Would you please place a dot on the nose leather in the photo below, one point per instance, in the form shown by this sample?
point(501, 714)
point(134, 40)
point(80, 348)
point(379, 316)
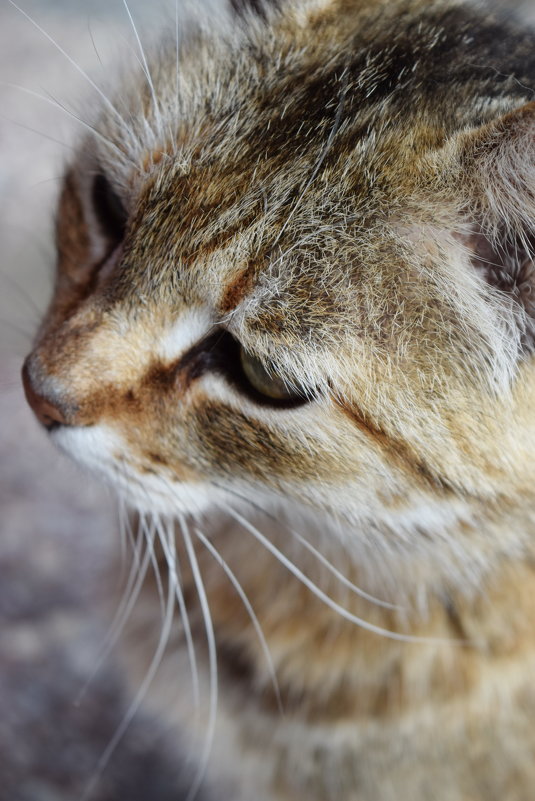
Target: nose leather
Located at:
point(44, 409)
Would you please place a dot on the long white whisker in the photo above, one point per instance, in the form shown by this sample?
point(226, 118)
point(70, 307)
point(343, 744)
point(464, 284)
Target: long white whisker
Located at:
point(37, 131)
point(304, 579)
point(167, 540)
point(95, 48)
point(136, 576)
point(53, 102)
point(154, 562)
point(145, 63)
point(340, 576)
point(250, 611)
point(129, 596)
point(69, 58)
point(124, 531)
point(212, 658)
point(321, 158)
point(140, 695)
point(314, 551)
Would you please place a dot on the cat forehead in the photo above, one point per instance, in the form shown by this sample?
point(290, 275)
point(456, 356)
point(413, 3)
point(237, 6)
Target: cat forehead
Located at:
point(274, 90)
point(252, 145)
point(256, 173)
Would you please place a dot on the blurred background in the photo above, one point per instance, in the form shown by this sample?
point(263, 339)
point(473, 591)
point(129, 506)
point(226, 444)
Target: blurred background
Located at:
point(57, 529)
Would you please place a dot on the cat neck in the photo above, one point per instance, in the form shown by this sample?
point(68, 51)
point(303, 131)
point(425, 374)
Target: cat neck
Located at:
point(338, 654)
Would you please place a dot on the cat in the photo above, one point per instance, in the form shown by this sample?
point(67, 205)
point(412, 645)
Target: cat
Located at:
point(294, 326)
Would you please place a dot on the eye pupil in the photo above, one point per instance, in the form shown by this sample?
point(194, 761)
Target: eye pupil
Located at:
point(109, 209)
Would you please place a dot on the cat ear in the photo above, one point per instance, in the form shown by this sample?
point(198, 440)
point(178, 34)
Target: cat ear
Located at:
point(495, 167)
point(498, 161)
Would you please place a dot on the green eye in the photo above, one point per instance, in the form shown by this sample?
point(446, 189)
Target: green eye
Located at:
point(267, 383)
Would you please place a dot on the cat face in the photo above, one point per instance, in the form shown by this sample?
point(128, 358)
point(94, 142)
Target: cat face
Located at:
point(273, 274)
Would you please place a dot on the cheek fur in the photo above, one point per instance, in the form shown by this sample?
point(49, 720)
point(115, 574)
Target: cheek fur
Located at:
point(103, 452)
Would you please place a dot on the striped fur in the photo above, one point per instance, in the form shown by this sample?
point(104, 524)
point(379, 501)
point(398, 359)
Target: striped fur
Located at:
point(344, 189)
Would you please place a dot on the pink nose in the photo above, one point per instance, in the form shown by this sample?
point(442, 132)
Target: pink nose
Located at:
point(46, 412)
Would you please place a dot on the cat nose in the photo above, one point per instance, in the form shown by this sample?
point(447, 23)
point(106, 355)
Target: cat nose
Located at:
point(46, 411)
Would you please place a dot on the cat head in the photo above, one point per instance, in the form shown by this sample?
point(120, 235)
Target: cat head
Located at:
point(299, 266)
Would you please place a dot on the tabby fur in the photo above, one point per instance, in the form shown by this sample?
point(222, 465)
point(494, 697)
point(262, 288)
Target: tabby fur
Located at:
point(347, 188)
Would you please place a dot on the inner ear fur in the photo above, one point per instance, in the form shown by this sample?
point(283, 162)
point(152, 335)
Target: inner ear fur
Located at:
point(495, 170)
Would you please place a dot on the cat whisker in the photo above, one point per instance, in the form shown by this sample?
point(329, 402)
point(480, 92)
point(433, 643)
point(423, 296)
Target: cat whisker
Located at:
point(212, 659)
point(75, 64)
point(314, 551)
point(140, 695)
point(141, 549)
point(53, 102)
point(167, 539)
point(146, 69)
point(149, 534)
point(36, 131)
point(250, 611)
point(340, 576)
point(124, 533)
point(146, 533)
point(166, 534)
point(95, 48)
point(129, 596)
point(55, 179)
point(322, 156)
point(322, 596)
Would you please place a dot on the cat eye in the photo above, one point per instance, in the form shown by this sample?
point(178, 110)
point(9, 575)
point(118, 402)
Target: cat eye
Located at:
point(222, 353)
point(267, 383)
point(109, 209)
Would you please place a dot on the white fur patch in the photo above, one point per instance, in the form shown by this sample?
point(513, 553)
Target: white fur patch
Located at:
point(192, 325)
point(91, 446)
point(102, 451)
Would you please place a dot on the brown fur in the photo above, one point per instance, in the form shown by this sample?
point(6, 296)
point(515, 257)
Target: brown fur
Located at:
point(322, 188)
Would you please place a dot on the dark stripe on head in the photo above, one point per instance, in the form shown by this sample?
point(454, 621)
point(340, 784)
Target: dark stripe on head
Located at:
point(259, 7)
